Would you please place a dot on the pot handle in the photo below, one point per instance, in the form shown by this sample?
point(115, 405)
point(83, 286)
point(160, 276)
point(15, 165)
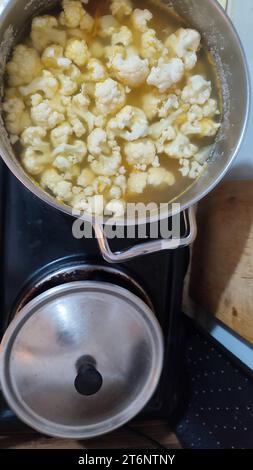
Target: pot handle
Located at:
point(151, 246)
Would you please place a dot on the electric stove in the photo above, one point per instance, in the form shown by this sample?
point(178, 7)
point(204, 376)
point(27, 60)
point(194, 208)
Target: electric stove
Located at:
point(38, 251)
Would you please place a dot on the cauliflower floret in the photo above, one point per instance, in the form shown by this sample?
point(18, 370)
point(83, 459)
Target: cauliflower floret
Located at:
point(68, 86)
point(53, 56)
point(101, 183)
point(16, 118)
point(67, 155)
point(160, 176)
point(77, 51)
point(25, 65)
point(115, 192)
point(107, 26)
point(124, 36)
point(121, 182)
point(74, 16)
point(181, 147)
point(191, 169)
point(46, 83)
point(197, 91)
point(35, 161)
point(185, 44)
point(96, 71)
point(140, 19)
point(121, 8)
point(166, 74)
point(60, 135)
point(45, 32)
point(97, 49)
point(163, 133)
point(209, 110)
point(204, 128)
point(53, 181)
point(151, 47)
point(116, 208)
point(154, 104)
point(97, 142)
point(33, 136)
point(129, 124)
point(79, 114)
point(110, 96)
point(107, 165)
point(137, 182)
point(43, 114)
point(141, 152)
point(86, 178)
point(131, 71)
point(170, 103)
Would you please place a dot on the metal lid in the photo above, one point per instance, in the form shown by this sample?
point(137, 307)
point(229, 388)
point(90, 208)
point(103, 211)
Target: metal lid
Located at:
point(81, 359)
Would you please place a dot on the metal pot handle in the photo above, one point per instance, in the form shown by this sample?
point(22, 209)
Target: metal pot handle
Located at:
point(151, 246)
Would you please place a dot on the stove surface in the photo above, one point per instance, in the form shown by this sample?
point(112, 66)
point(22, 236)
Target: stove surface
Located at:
point(36, 240)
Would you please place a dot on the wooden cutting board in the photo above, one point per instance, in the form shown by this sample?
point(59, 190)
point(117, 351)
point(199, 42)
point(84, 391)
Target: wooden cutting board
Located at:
point(221, 281)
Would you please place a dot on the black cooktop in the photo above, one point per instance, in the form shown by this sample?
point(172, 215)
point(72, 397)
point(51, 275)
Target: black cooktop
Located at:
point(36, 240)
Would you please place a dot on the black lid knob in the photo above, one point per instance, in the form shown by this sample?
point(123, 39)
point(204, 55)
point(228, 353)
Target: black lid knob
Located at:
point(88, 381)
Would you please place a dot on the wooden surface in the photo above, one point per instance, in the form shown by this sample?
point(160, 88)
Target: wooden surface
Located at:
point(146, 435)
point(221, 280)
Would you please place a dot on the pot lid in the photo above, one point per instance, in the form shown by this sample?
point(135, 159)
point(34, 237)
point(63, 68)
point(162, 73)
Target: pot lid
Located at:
point(81, 359)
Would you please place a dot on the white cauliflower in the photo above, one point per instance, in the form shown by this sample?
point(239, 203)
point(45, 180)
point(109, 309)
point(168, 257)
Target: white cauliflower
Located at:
point(129, 124)
point(107, 165)
point(107, 25)
point(163, 133)
point(115, 192)
point(151, 47)
point(116, 208)
point(131, 71)
point(98, 143)
point(68, 86)
point(60, 135)
point(110, 96)
point(16, 117)
point(45, 33)
point(197, 91)
point(141, 153)
point(53, 56)
point(67, 155)
point(190, 168)
point(141, 18)
point(204, 128)
point(181, 147)
point(137, 182)
point(43, 114)
point(46, 83)
point(97, 49)
point(209, 110)
point(77, 51)
point(120, 181)
point(155, 104)
point(96, 71)
point(33, 137)
point(80, 118)
point(121, 8)
point(124, 36)
point(91, 205)
point(61, 189)
point(86, 178)
point(101, 184)
point(159, 177)
point(185, 44)
point(25, 65)
point(35, 161)
point(166, 74)
point(75, 16)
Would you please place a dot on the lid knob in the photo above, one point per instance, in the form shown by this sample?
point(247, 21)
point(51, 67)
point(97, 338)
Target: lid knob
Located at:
point(88, 381)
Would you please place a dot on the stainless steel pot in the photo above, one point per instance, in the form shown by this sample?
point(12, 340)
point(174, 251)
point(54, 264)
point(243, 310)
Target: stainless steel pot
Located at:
point(222, 41)
point(81, 359)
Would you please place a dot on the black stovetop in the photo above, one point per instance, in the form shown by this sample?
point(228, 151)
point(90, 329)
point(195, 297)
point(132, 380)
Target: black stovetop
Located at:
point(36, 239)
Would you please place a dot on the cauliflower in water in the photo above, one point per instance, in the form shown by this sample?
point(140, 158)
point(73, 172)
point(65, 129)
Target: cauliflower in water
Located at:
point(75, 16)
point(16, 116)
point(25, 65)
point(185, 44)
point(116, 208)
point(46, 83)
point(151, 47)
point(137, 182)
point(155, 104)
point(43, 114)
point(160, 177)
point(86, 178)
point(77, 51)
point(110, 96)
point(140, 19)
point(129, 124)
point(107, 26)
point(60, 135)
point(140, 153)
point(124, 36)
point(166, 74)
point(53, 57)
point(131, 71)
point(121, 8)
point(197, 91)
point(60, 188)
point(35, 161)
point(45, 32)
point(181, 147)
point(96, 71)
point(107, 165)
